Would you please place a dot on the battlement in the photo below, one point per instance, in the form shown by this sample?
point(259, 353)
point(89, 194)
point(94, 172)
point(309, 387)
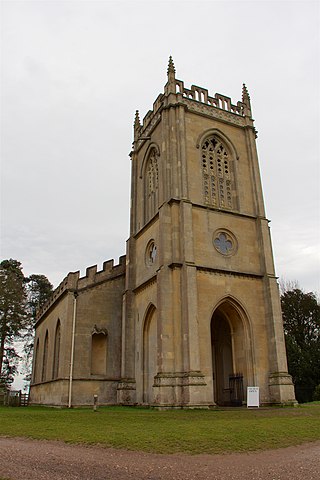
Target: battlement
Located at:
point(191, 97)
point(74, 283)
point(201, 95)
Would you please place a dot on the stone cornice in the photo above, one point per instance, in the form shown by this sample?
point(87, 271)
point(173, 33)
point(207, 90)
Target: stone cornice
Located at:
point(145, 284)
point(229, 273)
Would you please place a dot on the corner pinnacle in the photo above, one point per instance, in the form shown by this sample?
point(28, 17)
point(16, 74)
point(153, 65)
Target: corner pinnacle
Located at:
point(246, 101)
point(171, 69)
point(245, 94)
point(137, 123)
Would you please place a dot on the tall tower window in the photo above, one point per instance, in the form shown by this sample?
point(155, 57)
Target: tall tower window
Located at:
point(151, 185)
point(56, 358)
point(216, 172)
point(36, 364)
point(45, 358)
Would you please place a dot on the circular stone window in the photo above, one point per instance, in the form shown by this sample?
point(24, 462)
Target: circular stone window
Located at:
point(224, 242)
point(151, 253)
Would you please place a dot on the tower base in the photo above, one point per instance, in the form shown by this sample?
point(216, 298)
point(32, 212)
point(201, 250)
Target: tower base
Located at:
point(180, 390)
point(281, 389)
point(126, 392)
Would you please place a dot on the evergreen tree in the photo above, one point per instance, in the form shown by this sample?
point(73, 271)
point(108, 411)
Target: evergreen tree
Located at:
point(13, 316)
point(39, 290)
point(301, 317)
point(20, 298)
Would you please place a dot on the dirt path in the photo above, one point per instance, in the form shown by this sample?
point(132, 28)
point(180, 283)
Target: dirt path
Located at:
point(43, 460)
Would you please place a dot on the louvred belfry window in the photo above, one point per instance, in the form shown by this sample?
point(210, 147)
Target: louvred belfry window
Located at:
point(216, 171)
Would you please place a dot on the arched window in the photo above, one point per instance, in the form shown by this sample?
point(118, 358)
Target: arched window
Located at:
point(45, 358)
point(218, 184)
point(99, 351)
point(36, 363)
point(56, 357)
point(151, 185)
point(150, 354)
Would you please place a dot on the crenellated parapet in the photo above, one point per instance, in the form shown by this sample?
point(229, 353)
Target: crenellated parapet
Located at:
point(74, 283)
point(195, 99)
point(200, 94)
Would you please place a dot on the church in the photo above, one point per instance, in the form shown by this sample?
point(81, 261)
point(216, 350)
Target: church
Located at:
point(190, 316)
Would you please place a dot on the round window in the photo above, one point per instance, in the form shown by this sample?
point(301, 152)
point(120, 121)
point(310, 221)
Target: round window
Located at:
point(225, 242)
point(151, 253)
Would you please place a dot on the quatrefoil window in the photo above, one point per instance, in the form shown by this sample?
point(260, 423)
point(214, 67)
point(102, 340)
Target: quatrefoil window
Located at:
point(224, 242)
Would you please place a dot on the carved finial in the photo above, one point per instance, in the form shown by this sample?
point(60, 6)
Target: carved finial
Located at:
point(171, 70)
point(137, 123)
point(136, 126)
point(246, 100)
point(171, 83)
point(245, 94)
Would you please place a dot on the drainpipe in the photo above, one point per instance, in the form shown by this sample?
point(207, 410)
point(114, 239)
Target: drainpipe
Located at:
point(75, 294)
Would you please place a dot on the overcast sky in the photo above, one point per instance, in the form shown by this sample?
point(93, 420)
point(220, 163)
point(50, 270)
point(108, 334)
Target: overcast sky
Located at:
point(74, 72)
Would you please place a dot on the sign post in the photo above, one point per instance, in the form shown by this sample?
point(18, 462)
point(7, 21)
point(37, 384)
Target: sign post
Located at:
point(253, 397)
point(95, 402)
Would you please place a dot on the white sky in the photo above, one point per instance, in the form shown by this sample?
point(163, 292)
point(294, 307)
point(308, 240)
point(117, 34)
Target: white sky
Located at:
point(74, 72)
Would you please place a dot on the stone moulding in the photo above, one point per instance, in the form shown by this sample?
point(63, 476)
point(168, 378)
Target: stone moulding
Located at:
point(280, 378)
point(127, 384)
point(180, 390)
point(179, 379)
point(145, 284)
point(126, 391)
point(213, 112)
point(229, 273)
point(97, 330)
point(281, 389)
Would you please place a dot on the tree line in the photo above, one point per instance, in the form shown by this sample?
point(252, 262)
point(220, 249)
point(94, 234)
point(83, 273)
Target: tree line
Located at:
point(21, 297)
point(301, 323)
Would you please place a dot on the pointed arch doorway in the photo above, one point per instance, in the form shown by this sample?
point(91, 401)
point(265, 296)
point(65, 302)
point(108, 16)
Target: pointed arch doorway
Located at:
point(150, 354)
point(231, 354)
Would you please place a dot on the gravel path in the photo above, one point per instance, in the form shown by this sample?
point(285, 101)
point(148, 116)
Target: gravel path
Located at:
point(43, 460)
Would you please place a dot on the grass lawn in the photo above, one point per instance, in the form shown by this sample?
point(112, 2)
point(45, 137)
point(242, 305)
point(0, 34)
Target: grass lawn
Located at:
point(173, 431)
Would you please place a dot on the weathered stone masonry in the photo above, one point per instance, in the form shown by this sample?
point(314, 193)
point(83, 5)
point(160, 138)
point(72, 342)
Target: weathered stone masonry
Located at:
point(191, 316)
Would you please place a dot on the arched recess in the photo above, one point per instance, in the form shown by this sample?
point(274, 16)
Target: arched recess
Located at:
point(150, 354)
point(45, 358)
point(152, 146)
point(36, 367)
point(231, 347)
point(150, 176)
point(99, 351)
point(56, 356)
point(218, 165)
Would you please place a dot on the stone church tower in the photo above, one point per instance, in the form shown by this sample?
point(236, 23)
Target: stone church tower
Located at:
point(195, 307)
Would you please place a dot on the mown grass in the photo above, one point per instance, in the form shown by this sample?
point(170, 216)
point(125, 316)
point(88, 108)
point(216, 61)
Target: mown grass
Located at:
point(187, 431)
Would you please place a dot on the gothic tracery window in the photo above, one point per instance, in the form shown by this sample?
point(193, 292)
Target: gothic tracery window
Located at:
point(151, 185)
point(216, 172)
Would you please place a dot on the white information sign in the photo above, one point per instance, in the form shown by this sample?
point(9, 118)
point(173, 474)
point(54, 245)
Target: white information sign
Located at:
point(252, 396)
